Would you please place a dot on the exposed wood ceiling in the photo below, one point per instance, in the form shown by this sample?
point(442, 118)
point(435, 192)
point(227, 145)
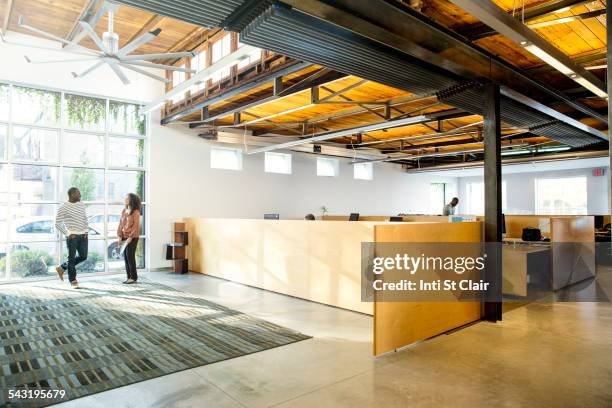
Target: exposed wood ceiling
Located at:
point(59, 17)
point(583, 40)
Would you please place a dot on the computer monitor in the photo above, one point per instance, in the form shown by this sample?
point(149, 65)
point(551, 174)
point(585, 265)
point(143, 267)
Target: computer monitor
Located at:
point(599, 221)
point(396, 219)
point(271, 217)
point(354, 217)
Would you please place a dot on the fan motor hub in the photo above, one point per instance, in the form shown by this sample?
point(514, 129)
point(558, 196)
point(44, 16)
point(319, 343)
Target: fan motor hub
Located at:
point(111, 41)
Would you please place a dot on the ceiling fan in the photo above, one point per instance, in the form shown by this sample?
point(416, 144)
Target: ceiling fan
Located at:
point(109, 52)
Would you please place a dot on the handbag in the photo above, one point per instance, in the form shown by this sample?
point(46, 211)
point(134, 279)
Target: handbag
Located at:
point(531, 234)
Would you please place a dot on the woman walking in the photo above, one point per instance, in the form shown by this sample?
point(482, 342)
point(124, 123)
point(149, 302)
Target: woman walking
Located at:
point(128, 232)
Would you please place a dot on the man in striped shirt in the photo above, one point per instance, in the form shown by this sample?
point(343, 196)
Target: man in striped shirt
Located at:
point(71, 220)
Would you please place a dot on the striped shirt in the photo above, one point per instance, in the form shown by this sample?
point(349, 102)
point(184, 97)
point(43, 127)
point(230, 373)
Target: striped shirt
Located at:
point(71, 218)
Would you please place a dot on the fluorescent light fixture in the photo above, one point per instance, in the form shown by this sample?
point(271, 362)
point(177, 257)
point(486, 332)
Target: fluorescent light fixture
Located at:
point(345, 132)
point(203, 75)
point(553, 22)
point(549, 59)
point(588, 85)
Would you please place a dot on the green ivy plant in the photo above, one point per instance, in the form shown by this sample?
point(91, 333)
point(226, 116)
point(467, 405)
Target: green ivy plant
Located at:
point(126, 113)
point(49, 100)
point(83, 110)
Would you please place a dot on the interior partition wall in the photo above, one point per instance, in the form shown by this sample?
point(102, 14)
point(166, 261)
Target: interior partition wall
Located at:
point(51, 140)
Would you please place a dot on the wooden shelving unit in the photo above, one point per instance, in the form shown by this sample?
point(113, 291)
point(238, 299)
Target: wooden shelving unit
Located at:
point(177, 250)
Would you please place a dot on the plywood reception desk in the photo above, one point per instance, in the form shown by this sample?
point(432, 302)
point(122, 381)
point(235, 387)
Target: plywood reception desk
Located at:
point(321, 261)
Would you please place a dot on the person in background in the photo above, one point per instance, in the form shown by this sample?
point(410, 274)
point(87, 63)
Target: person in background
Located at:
point(71, 220)
point(449, 209)
point(309, 217)
point(128, 232)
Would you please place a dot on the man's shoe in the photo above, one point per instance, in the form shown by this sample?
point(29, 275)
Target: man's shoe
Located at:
point(74, 284)
point(125, 281)
point(130, 281)
point(60, 272)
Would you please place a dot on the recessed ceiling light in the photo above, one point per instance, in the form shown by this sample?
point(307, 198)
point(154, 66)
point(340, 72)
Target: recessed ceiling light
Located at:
point(524, 43)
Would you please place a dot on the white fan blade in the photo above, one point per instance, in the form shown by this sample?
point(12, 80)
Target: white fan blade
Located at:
point(59, 60)
point(143, 39)
point(115, 67)
point(21, 23)
point(170, 55)
point(160, 66)
point(76, 40)
point(88, 70)
point(143, 72)
point(92, 34)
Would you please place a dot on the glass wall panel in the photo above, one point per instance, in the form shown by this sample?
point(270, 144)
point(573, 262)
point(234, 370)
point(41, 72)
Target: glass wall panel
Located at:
point(51, 141)
point(89, 181)
point(4, 171)
point(32, 183)
point(125, 152)
point(32, 260)
point(3, 141)
point(4, 101)
point(120, 183)
point(124, 119)
point(85, 113)
point(32, 222)
point(34, 144)
point(35, 106)
point(83, 149)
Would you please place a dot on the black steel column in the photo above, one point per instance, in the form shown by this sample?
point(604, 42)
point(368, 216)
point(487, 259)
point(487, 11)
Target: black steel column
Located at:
point(492, 194)
point(609, 83)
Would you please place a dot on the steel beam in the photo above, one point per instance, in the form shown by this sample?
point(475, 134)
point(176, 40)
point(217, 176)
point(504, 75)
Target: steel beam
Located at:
point(609, 82)
point(310, 82)
point(493, 202)
point(479, 31)
point(402, 28)
point(237, 90)
point(493, 16)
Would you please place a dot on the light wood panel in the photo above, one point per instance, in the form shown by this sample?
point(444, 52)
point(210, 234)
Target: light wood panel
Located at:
point(397, 324)
point(314, 260)
point(573, 250)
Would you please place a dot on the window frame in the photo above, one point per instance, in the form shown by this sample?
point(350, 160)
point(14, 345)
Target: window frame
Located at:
point(238, 152)
point(286, 156)
point(563, 182)
point(335, 165)
point(16, 209)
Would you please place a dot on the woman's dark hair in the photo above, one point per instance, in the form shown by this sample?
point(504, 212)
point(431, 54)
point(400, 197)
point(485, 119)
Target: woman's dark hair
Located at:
point(134, 201)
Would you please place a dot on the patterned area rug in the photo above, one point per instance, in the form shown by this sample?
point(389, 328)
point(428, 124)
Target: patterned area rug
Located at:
point(107, 335)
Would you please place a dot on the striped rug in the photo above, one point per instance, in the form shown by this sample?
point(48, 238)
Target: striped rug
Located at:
point(107, 335)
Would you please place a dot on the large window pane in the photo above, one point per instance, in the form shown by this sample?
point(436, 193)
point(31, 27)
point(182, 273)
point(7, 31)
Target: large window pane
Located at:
point(34, 144)
point(83, 149)
point(125, 152)
point(89, 181)
point(124, 118)
point(120, 183)
point(32, 259)
point(4, 169)
point(560, 196)
point(95, 218)
point(4, 101)
point(3, 224)
point(114, 216)
point(85, 113)
point(34, 183)
point(35, 106)
point(32, 222)
point(3, 139)
point(95, 256)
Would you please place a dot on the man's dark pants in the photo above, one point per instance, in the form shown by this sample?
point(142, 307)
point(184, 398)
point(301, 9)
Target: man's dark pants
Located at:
point(79, 245)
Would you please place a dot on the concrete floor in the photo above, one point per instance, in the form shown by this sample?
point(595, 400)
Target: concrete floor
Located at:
point(541, 355)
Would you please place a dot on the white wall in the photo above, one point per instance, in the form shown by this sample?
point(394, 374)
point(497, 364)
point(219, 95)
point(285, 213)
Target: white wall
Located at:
point(184, 185)
point(520, 186)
